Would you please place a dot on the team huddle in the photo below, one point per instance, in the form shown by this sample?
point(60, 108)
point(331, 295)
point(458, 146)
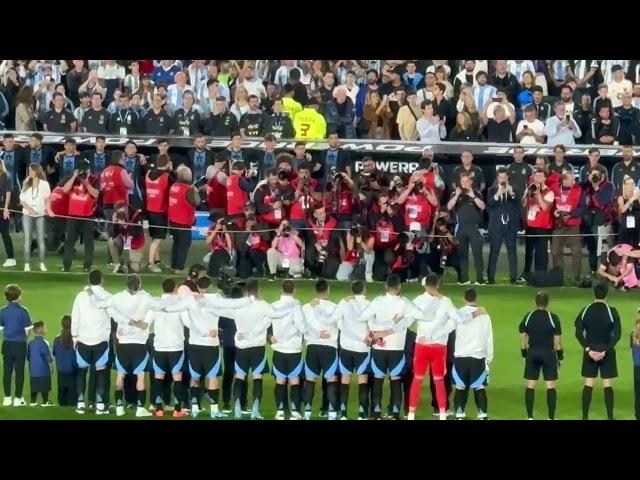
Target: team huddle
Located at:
point(176, 338)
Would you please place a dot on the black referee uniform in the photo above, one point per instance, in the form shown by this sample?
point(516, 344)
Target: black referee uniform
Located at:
point(541, 326)
point(598, 329)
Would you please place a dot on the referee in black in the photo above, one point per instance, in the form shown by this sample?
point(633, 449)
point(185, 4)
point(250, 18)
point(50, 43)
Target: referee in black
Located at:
point(598, 330)
point(541, 347)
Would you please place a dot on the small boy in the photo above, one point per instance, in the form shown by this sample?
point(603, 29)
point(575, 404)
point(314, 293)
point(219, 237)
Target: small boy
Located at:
point(40, 365)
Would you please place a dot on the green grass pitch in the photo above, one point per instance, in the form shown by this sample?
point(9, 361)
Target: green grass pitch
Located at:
point(50, 295)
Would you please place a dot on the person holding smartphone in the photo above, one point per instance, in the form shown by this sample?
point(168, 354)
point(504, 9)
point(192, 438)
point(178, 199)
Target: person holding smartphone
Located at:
point(530, 130)
point(561, 129)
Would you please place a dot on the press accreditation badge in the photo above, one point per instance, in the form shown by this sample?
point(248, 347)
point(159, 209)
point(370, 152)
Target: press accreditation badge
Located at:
point(127, 243)
point(277, 213)
point(123, 130)
point(285, 262)
point(531, 215)
point(631, 221)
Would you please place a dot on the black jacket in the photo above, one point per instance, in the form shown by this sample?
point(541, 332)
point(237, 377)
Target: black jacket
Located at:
point(281, 127)
point(509, 83)
point(220, 125)
point(505, 209)
point(342, 124)
point(209, 158)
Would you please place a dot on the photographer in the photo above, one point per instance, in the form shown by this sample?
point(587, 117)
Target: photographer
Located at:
point(322, 252)
point(238, 190)
point(268, 198)
point(629, 211)
point(55, 225)
point(432, 173)
point(538, 203)
point(569, 209)
point(285, 252)
point(221, 247)
point(600, 196)
point(357, 262)
point(183, 200)
point(342, 199)
point(385, 223)
point(467, 204)
point(304, 197)
point(419, 203)
point(83, 195)
point(115, 183)
point(368, 180)
point(443, 246)
point(504, 223)
point(216, 187)
point(126, 233)
point(158, 181)
point(252, 244)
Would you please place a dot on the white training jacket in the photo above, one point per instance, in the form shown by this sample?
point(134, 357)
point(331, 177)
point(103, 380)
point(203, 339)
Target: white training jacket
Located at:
point(353, 328)
point(318, 318)
point(90, 324)
point(474, 338)
point(289, 329)
point(379, 315)
point(168, 329)
point(440, 318)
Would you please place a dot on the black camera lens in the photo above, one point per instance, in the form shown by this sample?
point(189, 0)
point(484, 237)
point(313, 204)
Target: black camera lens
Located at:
point(283, 175)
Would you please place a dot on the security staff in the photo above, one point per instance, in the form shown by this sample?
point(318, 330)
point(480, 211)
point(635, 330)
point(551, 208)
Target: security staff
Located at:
point(183, 200)
point(156, 121)
point(541, 347)
point(598, 330)
point(504, 223)
point(96, 119)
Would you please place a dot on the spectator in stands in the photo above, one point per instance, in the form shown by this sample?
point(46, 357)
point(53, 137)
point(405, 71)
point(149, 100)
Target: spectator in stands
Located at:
point(605, 127)
point(602, 99)
point(502, 78)
point(561, 128)
point(25, 113)
point(285, 252)
point(583, 71)
point(289, 106)
point(132, 80)
point(442, 77)
point(252, 122)
point(325, 92)
point(525, 97)
point(464, 130)
point(483, 94)
point(464, 77)
point(371, 84)
point(431, 128)
point(628, 166)
point(426, 93)
point(411, 78)
point(636, 95)
point(300, 94)
point(629, 117)
point(600, 194)
point(76, 77)
point(629, 212)
point(376, 117)
point(91, 85)
point(530, 130)
point(583, 115)
point(85, 104)
point(339, 114)
point(519, 68)
point(240, 102)
point(251, 82)
point(165, 72)
point(469, 107)
point(618, 86)
point(442, 107)
point(350, 85)
point(543, 109)
point(214, 91)
point(566, 97)
point(499, 129)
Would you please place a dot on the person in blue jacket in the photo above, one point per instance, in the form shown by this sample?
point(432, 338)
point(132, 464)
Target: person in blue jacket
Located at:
point(40, 365)
point(66, 364)
point(635, 352)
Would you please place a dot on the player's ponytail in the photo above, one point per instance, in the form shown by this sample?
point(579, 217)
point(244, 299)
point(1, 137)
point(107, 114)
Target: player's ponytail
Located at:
point(66, 339)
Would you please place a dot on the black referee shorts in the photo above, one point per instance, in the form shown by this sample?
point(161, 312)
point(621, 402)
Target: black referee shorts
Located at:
point(469, 372)
point(608, 366)
point(168, 363)
point(320, 358)
point(157, 224)
point(541, 359)
point(252, 358)
point(287, 365)
point(132, 358)
point(92, 355)
point(204, 361)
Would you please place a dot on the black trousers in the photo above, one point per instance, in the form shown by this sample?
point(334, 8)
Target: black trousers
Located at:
point(229, 360)
point(536, 250)
point(497, 234)
point(326, 269)
point(217, 260)
point(6, 237)
point(469, 236)
point(420, 266)
point(382, 263)
point(14, 355)
point(76, 229)
point(433, 260)
point(180, 247)
point(250, 259)
point(54, 230)
point(67, 389)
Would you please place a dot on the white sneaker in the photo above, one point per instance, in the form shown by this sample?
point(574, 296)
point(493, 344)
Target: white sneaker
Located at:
point(116, 269)
point(332, 416)
point(6, 402)
point(307, 415)
point(34, 404)
point(43, 267)
point(9, 262)
point(48, 404)
point(19, 402)
point(80, 408)
point(195, 410)
point(143, 412)
point(368, 277)
point(443, 416)
point(27, 267)
point(460, 415)
point(120, 411)
point(206, 258)
point(483, 416)
point(343, 417)
point(101, 409)
point(279, 415)
point(411, 416)
point(155, 268)
point(295, 416)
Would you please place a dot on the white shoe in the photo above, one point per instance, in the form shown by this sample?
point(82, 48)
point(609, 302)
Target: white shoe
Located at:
point(443, 416)
point(343, 418)
point(43, 267)
point(155, 268)
point(47, 404)
point(143, 412)
point(9, 262)
point(307, 415)
point(206, 258)
point(483, 416)
point(411, 416)
point(34, 404)
point(460, 415)
point(368, 277)
point(27, 267)
point(101, 409)
point(332, 416)
point(195, 411)
point(116, 269)
point(80, 408)
point(120, 411)
point(6, 402)
point(279, 415)
point(19, 402)
point(295, 416)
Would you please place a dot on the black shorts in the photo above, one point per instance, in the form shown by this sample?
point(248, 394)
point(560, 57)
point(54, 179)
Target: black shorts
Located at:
point(168, 363)
point(391, 361)
point(92, 355)
point(204, 361)
point(541, 359)
point(320, 358)
point(252, 358)
point(469, 372)
point(608, 366)
point(132, 358)
point(287, 365)
point(40, 384)
point(350, 361)
point(157, 222)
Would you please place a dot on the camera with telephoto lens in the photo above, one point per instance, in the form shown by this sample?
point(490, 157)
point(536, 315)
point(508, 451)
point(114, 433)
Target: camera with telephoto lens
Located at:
point(532, 189)
point(83, 170)
point(251, 217)
point(322, 256)
point(419, 185)
point(356, 231)
point(201, 182)
point(283, 175)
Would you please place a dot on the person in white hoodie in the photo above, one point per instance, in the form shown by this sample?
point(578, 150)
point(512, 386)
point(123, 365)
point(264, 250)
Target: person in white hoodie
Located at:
point(286, 343)
point(321, 358)
point(91, 329)
point(355, 348)
point(473, 354)
point(388, 317)
point(440, 319)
